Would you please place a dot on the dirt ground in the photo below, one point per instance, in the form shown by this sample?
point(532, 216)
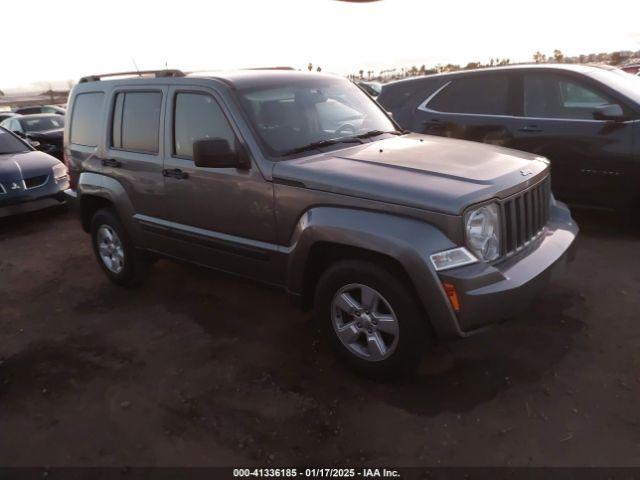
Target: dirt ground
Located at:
point(197, 368)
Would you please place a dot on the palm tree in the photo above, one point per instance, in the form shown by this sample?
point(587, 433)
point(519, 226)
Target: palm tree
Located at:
point(558, 56)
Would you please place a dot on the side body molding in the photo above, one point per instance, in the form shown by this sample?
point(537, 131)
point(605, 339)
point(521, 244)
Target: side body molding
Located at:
point(408, 241)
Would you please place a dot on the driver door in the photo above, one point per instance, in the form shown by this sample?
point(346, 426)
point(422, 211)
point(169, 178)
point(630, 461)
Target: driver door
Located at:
point(589, 158)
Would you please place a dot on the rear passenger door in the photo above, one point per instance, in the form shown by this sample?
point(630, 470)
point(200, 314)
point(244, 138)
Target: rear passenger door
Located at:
point(134, 151)
point(222, 217)
point(477, 107)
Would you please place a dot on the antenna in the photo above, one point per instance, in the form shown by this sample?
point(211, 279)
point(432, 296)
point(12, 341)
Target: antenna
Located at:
point(135, 65)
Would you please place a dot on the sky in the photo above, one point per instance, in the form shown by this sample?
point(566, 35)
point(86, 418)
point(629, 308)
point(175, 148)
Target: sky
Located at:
point(61, 40)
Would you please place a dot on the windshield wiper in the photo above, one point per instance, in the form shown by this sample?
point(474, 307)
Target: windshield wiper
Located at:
point(334, 141)
point(322, 143)
point(374, 133)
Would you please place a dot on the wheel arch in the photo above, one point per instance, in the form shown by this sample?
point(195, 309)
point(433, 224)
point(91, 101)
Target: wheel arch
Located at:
point(96, 191)
point(89, 205)
point(327, 234)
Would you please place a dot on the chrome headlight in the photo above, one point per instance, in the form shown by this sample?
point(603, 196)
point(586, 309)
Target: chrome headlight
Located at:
point(482, 230)
point(59, 171)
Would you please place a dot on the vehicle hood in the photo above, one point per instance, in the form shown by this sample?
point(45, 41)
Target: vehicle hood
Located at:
point(21, 166)
point(433, 173)
point(55, 134)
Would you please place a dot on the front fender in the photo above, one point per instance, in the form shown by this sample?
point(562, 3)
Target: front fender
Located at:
point(408, 241)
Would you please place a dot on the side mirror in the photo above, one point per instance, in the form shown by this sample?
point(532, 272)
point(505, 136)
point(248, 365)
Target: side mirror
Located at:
point(611, 112)
point(217, 153)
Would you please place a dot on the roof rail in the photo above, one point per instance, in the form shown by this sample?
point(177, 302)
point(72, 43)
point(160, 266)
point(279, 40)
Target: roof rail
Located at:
point(270, 68)
point(140, 73)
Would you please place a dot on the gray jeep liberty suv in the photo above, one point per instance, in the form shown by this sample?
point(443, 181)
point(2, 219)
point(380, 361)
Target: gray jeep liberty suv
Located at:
point(301, 180)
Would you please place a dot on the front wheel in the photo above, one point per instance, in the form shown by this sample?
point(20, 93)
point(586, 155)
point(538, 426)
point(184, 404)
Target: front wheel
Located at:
point(371, 317)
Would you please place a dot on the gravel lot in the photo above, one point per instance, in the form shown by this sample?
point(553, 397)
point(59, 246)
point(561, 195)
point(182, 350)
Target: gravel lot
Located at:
point(197, 368)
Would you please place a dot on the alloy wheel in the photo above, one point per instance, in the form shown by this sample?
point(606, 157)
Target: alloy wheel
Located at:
point(364, 322)
point(110, 249)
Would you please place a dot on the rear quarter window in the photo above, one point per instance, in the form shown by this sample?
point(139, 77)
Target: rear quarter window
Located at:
point(85, 119)
point(482, 95)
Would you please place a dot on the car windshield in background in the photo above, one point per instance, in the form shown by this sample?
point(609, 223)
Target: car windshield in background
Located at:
point(625, 83)
point(10, 144)
point(293, 116)
point(41, 124)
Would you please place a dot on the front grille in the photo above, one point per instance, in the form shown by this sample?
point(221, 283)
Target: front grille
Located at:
point(524, 216)
point(35, 182)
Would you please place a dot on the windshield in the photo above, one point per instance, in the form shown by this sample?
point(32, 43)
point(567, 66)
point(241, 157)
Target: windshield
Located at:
point(623, 82)
point(41, 124)
point(10, 144)
point(299, 113)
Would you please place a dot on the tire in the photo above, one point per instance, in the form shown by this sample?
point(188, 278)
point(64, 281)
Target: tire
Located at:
point(129, 266)
point(360, 280)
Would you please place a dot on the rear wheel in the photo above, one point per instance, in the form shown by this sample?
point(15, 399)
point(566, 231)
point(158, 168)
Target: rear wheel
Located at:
point(371, 317)
point(121, 262)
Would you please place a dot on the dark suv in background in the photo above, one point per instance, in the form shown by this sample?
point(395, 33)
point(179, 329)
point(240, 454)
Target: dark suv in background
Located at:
point(584, 119)
point(300, 180)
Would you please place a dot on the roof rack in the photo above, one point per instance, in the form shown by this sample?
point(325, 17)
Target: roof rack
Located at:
point(140, 73)
point(270, 68)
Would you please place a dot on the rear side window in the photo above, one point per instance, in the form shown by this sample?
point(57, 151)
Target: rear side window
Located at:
point(486, 95)
point(136, 121)
point(85, 124)
point(198, 117)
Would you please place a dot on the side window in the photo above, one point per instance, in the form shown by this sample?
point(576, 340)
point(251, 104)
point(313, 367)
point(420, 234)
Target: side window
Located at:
point(85, 119)
point(556, 96)
point(136, 121)
point(484, 95)
point(198, 116)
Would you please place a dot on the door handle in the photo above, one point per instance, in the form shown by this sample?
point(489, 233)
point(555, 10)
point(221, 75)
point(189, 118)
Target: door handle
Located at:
point(175, 173)
point(530, 129)
point(111, 162)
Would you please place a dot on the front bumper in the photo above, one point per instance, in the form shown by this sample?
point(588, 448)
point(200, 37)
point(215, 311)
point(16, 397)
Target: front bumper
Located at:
point(30, 200)
point(491, 293)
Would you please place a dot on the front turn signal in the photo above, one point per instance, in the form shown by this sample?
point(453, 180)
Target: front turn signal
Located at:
point(451, 292)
